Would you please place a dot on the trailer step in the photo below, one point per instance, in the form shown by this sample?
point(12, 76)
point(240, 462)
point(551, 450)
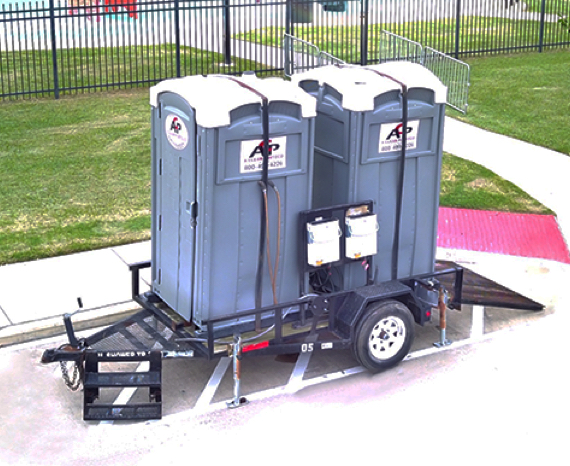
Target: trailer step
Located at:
point(95, 379)
point(122, 379)
point(112, 412)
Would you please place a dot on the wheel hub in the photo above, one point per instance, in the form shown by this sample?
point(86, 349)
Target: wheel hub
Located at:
point(387, 337)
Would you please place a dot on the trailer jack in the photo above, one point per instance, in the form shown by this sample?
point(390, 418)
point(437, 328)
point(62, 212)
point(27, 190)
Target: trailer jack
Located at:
point(237, 400)
point(443, 341)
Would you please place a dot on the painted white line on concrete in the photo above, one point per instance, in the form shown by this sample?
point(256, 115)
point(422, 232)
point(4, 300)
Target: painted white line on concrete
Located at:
point(215, 379)
point(208, 408)
point(127, 393)
point(332, 376)
point(301, 365)
point(478, 322)
point(454, 345)
point(5, 316)
point(286, 389)
point(265, 394)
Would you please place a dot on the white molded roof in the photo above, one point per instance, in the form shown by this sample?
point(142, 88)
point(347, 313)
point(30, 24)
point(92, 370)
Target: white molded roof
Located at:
point(214, 97)
point(414, 75)
point(359, 86)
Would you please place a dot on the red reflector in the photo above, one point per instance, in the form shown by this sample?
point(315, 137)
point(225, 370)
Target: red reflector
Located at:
point(428, 314)
point(255, 346)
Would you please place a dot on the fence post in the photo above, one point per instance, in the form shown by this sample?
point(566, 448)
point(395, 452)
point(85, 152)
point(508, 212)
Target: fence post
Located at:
point(177, 35)
point(227, 34)
point(288, 18)
point(457, 27)
point(287, 43)
point(363, 32)
point(542, 20)
point(53, 48)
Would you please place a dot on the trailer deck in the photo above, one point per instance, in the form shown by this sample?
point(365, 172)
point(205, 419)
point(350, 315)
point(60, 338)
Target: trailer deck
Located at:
point(156, 333)
point(156, 327)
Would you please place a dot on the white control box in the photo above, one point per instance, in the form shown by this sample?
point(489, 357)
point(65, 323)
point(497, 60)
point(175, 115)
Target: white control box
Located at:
point(323, 242)
point(361, 238)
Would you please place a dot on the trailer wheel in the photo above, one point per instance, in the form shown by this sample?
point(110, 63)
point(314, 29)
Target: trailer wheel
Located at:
point(384, 335)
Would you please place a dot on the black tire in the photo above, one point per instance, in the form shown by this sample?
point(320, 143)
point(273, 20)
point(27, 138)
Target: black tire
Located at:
point(384, 335)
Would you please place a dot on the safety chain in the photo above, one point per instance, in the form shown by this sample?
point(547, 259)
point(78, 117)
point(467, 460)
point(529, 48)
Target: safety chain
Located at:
point(73, 382)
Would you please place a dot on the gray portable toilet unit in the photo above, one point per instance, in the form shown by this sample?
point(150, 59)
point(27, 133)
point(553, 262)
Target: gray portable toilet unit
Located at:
point(207, 134)
point(358, 135)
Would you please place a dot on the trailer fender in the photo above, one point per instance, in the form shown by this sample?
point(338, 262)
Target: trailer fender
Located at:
point(353, 306)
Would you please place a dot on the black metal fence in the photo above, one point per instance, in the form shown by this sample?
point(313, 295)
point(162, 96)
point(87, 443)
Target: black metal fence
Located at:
point(69, 46)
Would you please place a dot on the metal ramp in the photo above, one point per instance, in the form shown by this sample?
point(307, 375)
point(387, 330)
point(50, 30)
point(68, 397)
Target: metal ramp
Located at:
point(301, 55)
point(481, 291)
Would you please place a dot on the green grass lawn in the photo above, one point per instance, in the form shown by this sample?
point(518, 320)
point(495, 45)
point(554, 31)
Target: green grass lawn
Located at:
point(477, 33)
point(468, 185)
point(76, 171)
point(550, 7)
point(526, 96)
point(80, 70)
point(75, 174)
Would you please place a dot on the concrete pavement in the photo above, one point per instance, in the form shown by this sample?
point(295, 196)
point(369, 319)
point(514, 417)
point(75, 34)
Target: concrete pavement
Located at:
point(34, 295)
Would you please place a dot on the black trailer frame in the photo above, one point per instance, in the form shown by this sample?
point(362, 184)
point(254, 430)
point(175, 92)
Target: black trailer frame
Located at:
point(339, 312)
point(339, 319)
point(320, 322)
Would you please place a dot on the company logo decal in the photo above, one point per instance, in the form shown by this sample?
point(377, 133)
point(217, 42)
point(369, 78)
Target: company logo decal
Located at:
point(176, 132)
point(251, 155)
point(391, 136)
